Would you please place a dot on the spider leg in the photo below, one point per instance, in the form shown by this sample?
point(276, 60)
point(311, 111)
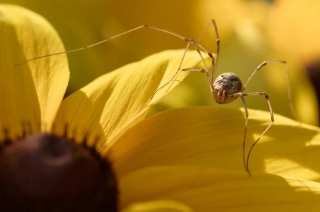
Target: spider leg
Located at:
point(201, 70)
point(174, 77)
point(246, 162)
point(164, 85)
point(245, 131)
point(264, 63)
point(196, 44)
point(205, 71)
point(215, 63)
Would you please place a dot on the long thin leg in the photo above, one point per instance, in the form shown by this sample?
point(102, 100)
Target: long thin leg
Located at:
point(214, 60)
point(174, 77)
point(162, 86)
point(203, 31)
point(180, 65)
point(201, 70)
point(204, 71)
point(215, 63)
point(272, 120)
point(197, 45)
point(264, 63)
point(293, 112)
point(245, 131)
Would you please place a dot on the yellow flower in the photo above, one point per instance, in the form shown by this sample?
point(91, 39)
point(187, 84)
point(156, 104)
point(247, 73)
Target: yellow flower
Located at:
point(187, 159)
point(41, 132)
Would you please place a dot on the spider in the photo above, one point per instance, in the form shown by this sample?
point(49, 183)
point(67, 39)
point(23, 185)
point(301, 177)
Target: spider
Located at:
point(225, 89)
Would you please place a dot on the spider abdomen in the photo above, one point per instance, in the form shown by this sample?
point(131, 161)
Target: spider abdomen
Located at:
point(225, 86)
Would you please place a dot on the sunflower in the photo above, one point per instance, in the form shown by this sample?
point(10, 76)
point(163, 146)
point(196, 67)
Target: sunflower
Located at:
point(96, 151)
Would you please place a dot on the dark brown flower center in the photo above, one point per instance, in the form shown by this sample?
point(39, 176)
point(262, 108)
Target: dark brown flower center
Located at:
point(44, 172)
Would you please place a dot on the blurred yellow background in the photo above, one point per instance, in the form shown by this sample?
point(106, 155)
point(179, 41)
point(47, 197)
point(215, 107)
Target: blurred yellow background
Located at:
point(251, 31)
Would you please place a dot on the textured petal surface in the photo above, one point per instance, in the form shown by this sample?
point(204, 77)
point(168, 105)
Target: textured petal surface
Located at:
point(30, 93)
point(105, 107)
point(207, 189)
point(212, 137)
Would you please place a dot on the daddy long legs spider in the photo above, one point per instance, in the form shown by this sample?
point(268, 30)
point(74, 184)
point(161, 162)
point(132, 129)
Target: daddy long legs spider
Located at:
point(226, 88)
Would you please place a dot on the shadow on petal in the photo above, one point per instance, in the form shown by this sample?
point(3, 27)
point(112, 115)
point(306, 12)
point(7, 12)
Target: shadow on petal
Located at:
point(212, 137)
point(207, 189)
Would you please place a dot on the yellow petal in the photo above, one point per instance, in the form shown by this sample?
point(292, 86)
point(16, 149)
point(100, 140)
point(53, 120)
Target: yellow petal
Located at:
point(212, 137)
point(105, 107)
point(158, 206)
point(29, 93)
point(207, 189)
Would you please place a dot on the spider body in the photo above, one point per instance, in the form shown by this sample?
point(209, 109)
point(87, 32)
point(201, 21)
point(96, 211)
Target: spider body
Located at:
point(225, 87)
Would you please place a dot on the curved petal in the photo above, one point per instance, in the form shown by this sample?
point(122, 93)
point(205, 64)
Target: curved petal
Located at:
point(30, 93)
point(105, 107)
point(212, 137)
point(206, 189)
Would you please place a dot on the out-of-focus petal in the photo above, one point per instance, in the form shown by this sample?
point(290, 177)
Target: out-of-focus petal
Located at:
point(30, 93)
point(105, 107)
point(298, 31)
point(158, 206)
point(228, 17)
